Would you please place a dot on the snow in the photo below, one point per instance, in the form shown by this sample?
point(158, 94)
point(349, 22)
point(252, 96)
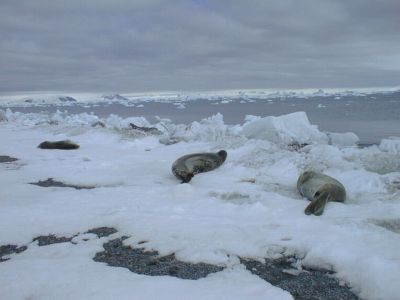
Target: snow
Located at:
point(249, 207)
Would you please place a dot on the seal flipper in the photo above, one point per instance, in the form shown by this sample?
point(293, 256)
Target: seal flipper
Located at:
point(317, 205)
point(187, 177)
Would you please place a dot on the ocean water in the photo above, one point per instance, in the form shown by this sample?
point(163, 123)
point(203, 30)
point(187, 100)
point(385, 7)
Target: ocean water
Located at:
point(371, 116)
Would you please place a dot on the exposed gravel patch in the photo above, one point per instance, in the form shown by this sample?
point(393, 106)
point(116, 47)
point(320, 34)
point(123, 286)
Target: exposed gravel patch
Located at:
point(102, 231)
point(10, 249)
point(49, 182)
point(45, 240)
point(150, 263)
point(303, 285)
point(7, 159)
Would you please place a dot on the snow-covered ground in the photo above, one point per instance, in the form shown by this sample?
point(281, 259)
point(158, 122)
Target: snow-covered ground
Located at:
point(249, 207)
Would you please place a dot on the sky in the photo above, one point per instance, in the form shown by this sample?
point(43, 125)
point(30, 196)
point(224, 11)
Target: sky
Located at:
point(153, 45)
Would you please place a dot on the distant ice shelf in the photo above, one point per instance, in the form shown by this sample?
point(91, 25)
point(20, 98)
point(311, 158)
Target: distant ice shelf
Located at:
point(68, 99)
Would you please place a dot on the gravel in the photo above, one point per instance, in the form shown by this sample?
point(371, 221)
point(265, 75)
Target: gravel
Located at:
point(49, 182)
point(10, 249)
point(150, 263)
point(45, 240)
point(303, 285)
point(7, 159)
point(102, 231)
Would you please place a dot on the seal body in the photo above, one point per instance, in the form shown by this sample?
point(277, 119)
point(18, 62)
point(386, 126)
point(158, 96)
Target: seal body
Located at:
point(185, 167)
point(61, 145)
point(319, 189)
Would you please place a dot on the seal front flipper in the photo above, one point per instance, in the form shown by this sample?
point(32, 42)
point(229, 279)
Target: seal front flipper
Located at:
point(187, 177)
point(317, 205)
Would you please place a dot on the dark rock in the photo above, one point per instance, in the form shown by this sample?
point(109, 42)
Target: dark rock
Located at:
point(307, 285)
point(45, 240)
point(296, 146)
point(98, 124)
point(60, 145)
point(115, 97)
point(150, 130)
point(67, 99)
point(150, 263)
point(10, 249)
point(49, 182)
point(7, 159)
point(102, 231)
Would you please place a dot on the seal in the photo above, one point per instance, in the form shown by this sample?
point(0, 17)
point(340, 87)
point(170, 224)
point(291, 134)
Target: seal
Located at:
point(185, 167)
point(61, 145)
point(319, 189)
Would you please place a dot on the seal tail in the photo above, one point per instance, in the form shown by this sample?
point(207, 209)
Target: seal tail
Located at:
point(317, 206)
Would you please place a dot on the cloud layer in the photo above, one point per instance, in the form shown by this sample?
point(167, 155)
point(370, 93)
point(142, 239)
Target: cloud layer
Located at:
point(150, 45)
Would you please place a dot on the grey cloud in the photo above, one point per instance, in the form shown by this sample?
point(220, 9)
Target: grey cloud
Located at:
point(121, 46)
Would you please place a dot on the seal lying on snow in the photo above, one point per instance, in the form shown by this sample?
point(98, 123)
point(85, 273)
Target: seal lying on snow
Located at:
point(187, 166)
point(319, 188)
point(62, 145)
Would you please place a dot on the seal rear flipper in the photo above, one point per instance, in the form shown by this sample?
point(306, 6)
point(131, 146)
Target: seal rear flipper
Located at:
point(317, 206)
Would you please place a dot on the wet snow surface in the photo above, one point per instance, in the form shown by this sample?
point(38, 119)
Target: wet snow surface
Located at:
point(240, 229)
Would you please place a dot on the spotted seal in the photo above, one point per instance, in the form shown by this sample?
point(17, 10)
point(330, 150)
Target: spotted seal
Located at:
point(319, 189)
point(61, 145)
point(185, 167)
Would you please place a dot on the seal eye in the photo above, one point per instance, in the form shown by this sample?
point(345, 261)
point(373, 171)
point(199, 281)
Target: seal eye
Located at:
point(317, 194)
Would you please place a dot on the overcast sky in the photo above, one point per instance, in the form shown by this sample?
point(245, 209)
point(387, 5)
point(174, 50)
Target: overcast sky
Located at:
point(145, 45)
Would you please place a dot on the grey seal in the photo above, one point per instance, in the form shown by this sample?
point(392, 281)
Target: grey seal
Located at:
point(319, 189)
point(61, 145)
point(185, 167)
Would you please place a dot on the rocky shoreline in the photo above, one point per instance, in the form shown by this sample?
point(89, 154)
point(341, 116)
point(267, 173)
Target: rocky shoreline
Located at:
point(302, 284)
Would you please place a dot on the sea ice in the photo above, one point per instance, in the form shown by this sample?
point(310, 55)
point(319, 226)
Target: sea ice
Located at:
point(249, 207)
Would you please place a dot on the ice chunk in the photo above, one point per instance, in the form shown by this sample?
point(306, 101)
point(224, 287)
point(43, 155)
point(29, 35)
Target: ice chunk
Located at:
point(391, 145)
point(343, 139)
point(284, 129)
point(3, 117)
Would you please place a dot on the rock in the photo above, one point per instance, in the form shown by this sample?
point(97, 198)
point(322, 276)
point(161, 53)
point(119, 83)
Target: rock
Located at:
point(7, 159)
point(49, 182)
point(60, 145)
